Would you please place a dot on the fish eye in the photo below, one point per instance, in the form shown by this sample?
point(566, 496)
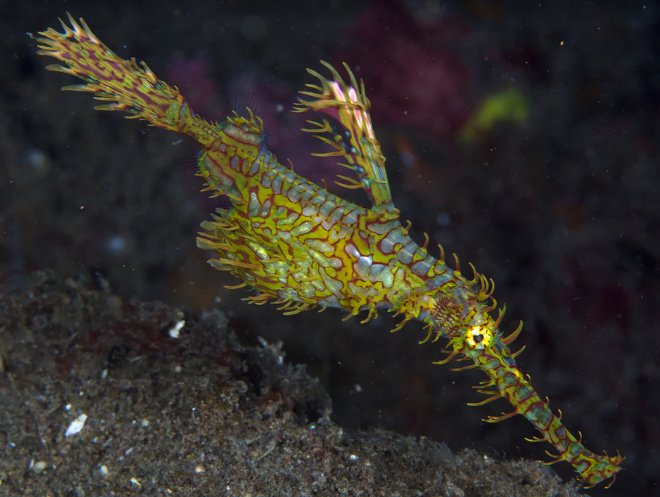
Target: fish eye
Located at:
point(479, 337)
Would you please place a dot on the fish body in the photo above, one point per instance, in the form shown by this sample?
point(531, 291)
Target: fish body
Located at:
point(299, 246)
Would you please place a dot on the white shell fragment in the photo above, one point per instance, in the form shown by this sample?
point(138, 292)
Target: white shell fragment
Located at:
point(176, 328)
point(76, 426)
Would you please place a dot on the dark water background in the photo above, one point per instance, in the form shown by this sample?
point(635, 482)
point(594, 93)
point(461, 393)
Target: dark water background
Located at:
point(558, 201)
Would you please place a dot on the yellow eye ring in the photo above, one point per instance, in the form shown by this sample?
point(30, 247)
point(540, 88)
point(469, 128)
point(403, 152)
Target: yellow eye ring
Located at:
point(479, 337)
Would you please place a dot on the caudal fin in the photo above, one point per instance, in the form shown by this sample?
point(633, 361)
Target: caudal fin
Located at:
point(124, 84)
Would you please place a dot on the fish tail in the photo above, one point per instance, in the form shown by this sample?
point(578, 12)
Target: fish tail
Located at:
point(122, 85)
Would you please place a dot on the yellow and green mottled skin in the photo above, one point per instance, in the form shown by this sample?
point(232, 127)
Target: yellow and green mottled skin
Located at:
point(300, 246)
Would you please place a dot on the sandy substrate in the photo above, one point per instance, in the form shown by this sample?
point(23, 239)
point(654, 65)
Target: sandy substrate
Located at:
point(106, 397)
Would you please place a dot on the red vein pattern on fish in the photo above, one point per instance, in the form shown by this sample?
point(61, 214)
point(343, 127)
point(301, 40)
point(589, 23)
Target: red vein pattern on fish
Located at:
point(298, 246)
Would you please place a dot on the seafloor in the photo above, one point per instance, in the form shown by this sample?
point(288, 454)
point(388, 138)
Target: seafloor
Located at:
point(521, 135)
point(105, 397)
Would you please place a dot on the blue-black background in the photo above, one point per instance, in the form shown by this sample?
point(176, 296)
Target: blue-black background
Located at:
point(558, 201)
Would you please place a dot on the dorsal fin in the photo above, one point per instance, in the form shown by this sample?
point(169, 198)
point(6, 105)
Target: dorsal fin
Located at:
point(345, 125)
